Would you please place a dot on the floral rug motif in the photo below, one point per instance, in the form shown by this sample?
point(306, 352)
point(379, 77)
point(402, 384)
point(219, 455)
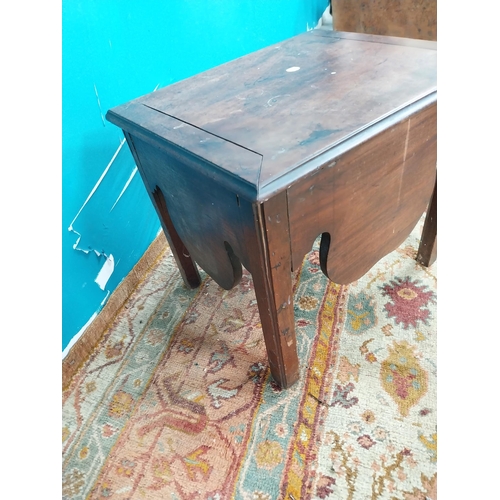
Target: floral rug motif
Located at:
point(177, 401)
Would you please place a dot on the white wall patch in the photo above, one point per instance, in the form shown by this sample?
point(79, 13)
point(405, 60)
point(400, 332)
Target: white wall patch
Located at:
point(105, 272)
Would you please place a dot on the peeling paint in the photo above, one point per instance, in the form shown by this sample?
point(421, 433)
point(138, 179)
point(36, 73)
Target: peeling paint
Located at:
point(109, 265)
point(105, 273)
point(97, 229)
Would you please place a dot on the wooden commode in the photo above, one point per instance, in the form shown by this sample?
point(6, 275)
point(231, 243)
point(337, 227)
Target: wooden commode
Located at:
point(328, 133)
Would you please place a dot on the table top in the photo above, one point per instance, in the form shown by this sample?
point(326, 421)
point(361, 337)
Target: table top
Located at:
point(262, 117)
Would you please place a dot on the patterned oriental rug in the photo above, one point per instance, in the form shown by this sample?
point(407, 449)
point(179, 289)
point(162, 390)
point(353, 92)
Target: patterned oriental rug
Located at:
point(177, 401)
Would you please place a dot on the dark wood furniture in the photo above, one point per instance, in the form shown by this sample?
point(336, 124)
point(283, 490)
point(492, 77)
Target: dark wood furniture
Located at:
point(326, 133)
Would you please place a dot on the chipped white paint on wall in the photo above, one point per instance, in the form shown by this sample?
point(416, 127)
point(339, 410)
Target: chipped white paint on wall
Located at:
point(105, 272)
point(109, 264)
point(106, 64)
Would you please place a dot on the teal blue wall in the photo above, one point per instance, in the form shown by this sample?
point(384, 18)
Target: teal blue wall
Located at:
point(114, 51)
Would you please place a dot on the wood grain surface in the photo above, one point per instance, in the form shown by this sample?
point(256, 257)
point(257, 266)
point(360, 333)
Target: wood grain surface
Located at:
point(404, 18)
point(274, 119)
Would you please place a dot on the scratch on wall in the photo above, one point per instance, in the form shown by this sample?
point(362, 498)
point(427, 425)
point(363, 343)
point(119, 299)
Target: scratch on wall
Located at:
point(125, 187)
point(99, 104)
point(94, 189)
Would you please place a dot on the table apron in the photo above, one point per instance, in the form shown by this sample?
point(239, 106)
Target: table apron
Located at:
point(366, 201)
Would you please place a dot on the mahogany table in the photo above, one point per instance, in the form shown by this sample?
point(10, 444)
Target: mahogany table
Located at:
point(326, 133)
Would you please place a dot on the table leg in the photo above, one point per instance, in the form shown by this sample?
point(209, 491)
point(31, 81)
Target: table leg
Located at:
point(427, 251)
point(185, 263)
point(271, 272)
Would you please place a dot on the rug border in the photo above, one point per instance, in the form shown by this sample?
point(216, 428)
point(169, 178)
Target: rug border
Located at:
point(84, 346)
